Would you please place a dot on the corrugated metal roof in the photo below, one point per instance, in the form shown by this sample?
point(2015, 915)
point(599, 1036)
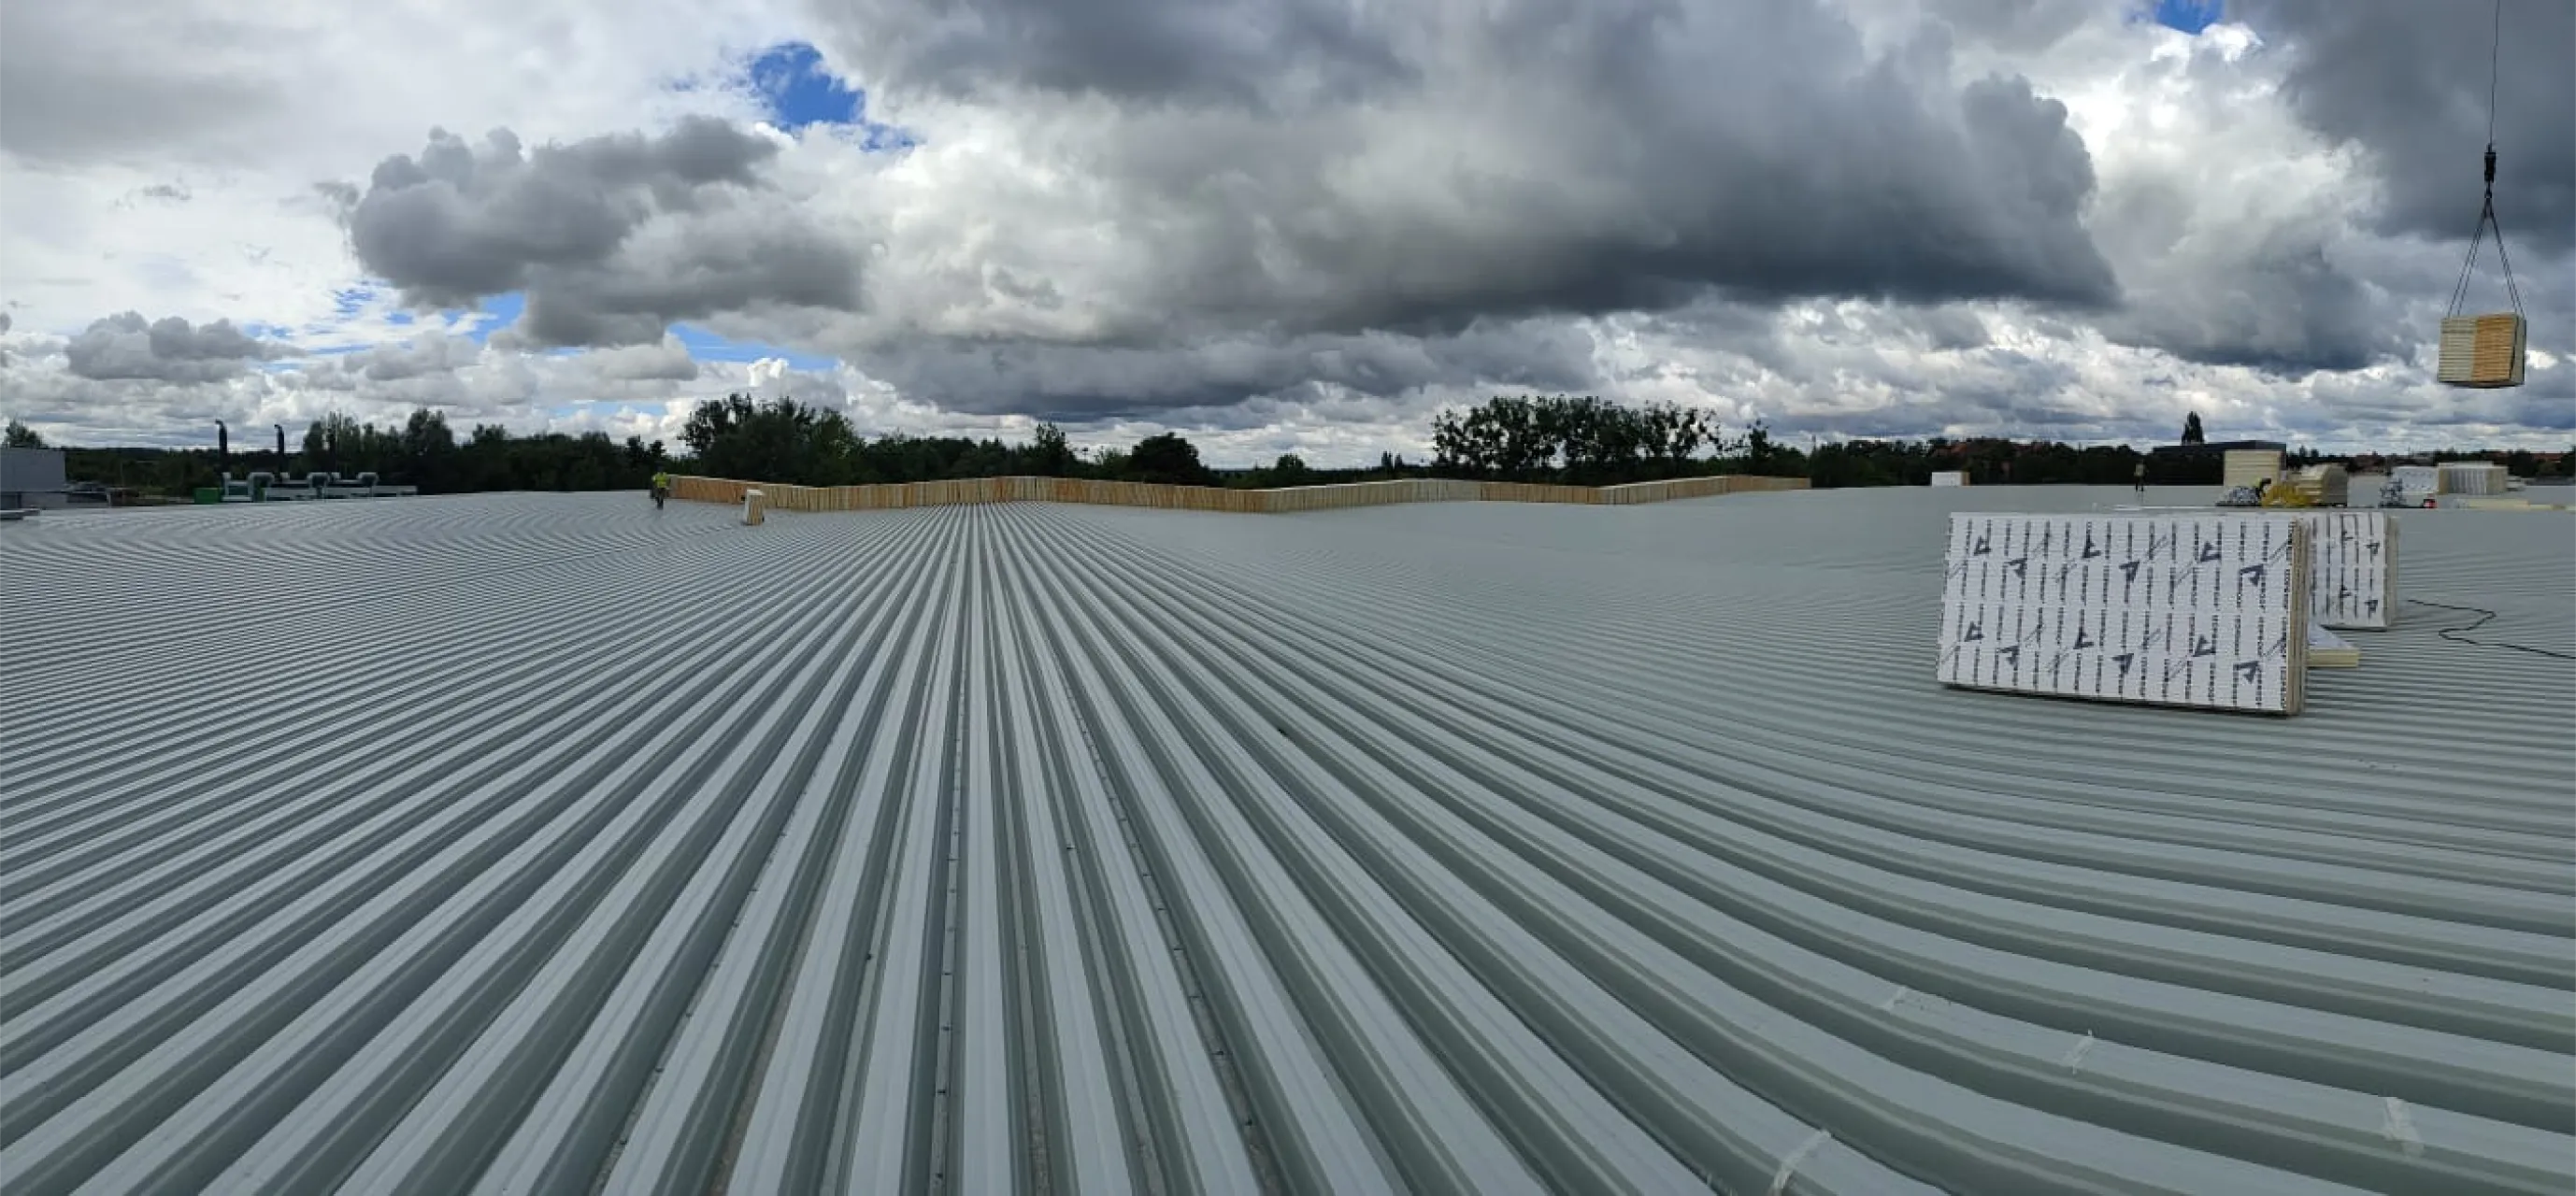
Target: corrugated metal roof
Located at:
point(555, 844)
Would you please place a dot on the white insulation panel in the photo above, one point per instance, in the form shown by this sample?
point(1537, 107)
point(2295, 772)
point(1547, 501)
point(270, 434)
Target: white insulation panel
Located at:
point(2353, 573)
point(2203, 611)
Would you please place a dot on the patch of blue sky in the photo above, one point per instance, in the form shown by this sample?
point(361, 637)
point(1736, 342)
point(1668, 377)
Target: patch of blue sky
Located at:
point(800, 92)
point(707, 346)
point(2189, 16)
point(492, 315)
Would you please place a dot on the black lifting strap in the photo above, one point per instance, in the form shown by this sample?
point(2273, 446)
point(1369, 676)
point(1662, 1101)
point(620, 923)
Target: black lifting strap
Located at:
point(2486, 214)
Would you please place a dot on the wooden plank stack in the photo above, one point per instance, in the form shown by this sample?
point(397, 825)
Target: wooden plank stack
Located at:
point(2208, 611)
point(2325, 485)
point(2483, 352)
point(2247, 467)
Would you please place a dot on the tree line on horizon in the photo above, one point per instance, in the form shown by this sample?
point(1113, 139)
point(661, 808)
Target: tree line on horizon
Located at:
point(1552, 439)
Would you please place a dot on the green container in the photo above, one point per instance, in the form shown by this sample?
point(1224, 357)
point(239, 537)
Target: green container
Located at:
point(210, 495)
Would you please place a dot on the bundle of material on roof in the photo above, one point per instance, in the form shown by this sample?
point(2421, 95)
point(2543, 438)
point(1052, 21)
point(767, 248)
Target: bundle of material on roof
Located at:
point(2483, 352)
point(2207, 612)
point(2418, 479)
point(2324, 485)
point(2248, 467)
point(2326, 650)
point(2474, 477)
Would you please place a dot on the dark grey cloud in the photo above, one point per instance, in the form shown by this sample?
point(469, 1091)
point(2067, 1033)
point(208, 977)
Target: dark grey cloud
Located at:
point(664, 361)
point(2407, 81)
point(2276, 302)
point(1561, 156)
point(128, 347)
point(612, 238)
point(1083, 383)
point(1234, 52)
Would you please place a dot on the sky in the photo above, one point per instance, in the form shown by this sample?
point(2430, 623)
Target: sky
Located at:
point(1283, 225)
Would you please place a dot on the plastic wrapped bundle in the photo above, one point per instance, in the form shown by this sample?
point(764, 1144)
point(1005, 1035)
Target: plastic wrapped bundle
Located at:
point(2483, 351)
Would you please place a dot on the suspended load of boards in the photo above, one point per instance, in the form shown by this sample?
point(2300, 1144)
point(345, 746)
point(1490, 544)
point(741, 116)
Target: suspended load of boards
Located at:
point(2485, 351)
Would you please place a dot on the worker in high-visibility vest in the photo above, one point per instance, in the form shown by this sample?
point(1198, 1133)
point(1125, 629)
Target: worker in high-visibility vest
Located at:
point(661, 488)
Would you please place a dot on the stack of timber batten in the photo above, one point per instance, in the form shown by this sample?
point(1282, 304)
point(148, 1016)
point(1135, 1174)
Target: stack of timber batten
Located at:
point(2326, 650)
point(2199, 611)
point(2483, 352)
point(2324, 485)
point(2247, 467)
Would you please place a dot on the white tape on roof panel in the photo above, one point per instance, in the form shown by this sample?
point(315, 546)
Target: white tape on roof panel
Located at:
point(2205, 611)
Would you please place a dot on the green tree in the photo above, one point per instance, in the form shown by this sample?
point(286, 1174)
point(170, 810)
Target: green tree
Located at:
point(20, 435)
point(1167, 458)
point(429, 452)
point(1050, 456)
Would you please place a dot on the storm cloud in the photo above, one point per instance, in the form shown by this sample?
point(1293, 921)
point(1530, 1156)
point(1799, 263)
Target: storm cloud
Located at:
point(125, 346)
point(1298, 224)
point(1082, 384)
point(2408, 82)
point(1418, 171)
point(612, 238)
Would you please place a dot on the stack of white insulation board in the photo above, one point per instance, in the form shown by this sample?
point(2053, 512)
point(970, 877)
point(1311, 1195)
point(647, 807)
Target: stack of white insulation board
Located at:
point(1953, 477)
point(2473, 477)
point(2352, 567)
point(2207, 611)
point(2418, 479)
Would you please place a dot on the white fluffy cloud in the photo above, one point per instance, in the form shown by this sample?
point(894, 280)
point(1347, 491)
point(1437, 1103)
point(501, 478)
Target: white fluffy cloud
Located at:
point(1301, 228)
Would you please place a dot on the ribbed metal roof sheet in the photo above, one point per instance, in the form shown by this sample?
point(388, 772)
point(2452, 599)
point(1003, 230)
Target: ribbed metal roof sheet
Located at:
point(553, 843)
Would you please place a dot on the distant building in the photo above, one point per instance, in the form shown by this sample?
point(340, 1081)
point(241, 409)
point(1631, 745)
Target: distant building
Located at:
point(32, 477)
point(2215, 448)
point(2199, 464)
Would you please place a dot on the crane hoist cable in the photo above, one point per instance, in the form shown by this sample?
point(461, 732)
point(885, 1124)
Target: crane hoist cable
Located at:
point(2487, 212)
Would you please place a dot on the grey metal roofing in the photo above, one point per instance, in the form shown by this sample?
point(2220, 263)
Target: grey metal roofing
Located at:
point(529, 843)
